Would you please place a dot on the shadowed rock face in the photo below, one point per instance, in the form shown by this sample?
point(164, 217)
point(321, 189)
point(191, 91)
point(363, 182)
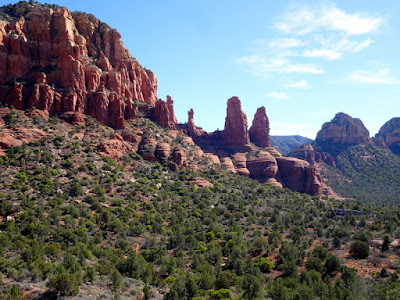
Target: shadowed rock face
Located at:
point(59, 61)
point(259, 130)
point(390, 134)
point(343, 129)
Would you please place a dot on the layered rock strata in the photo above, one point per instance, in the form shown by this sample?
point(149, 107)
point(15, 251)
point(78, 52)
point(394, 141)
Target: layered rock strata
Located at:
point(59, 61)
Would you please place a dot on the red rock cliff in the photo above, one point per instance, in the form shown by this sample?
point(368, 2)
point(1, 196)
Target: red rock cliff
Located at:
point(60, 61)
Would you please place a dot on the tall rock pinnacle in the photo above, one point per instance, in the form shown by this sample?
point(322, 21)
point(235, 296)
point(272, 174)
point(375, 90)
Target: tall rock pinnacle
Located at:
point(235, 131)
point(259, 130)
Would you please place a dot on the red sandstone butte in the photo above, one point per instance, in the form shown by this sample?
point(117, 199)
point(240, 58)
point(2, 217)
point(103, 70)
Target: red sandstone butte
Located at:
point(343, 129)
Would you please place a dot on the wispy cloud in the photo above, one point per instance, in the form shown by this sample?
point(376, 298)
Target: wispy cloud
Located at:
point(323, 53)
point(286, 43)
point(382, 76)
point(311, 35)
point(303, 20)
point(278, 95)
point(302, 84)
point(259, 65)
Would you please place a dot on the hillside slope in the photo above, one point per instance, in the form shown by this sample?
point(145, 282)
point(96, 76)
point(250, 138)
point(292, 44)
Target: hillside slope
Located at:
point(286, 143)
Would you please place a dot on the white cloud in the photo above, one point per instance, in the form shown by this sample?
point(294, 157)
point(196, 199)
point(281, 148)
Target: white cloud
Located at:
point(323, 53)
point(302, 84)
point(259, 65)
point(305, 20)
point(278, 95)
point(286, 43)
point(382, 76)
point(310, 35)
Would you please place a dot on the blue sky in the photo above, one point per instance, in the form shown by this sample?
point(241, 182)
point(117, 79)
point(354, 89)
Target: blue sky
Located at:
point(303, 60)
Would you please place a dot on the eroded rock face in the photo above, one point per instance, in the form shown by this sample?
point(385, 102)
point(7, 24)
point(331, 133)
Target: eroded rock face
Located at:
point(180, 157)
point(59, 61)
point(390, 134)
point(264, 169)
point(201, 182)
point(164, 113)
point(192, 129)
point(259, 130)
point(240, 161)
point(163, 150)
point(343, 129)
point(297, 175)
point(308, 153)
point(235, 132)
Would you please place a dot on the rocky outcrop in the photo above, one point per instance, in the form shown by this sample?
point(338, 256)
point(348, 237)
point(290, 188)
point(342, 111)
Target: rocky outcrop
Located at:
point(240, 162)
point(308, 153)
point(163, 150)
point(192, 130)
point(59, 61)
point(180, 157)
point(235, 134)
point(390, 134)
point(115, 148)
point(264, 169)
point(259, 130)
point(147, 148)
point(298, 175)
point(228, 164)
point(201, 182)
point(164, 113)
point(343, 129)
point(13, 137)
